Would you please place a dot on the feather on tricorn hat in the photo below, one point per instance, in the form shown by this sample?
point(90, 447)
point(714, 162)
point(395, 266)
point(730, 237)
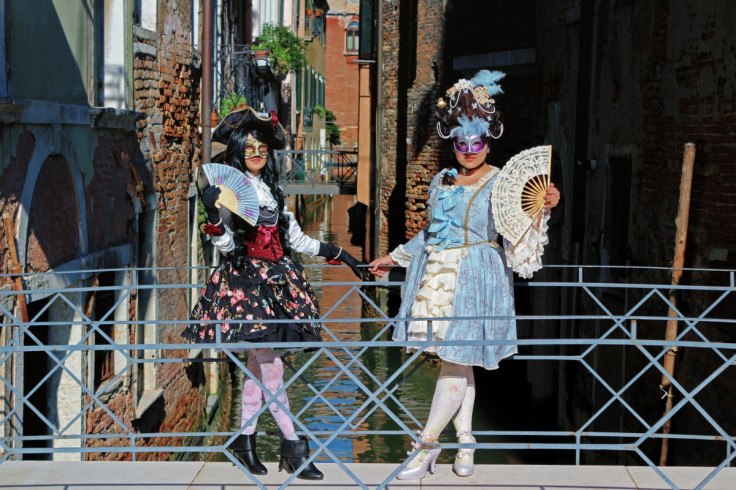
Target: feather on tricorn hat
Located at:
point(247, 119)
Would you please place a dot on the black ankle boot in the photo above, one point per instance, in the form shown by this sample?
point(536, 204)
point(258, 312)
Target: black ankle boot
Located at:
point(293, 454)
point(244, 449)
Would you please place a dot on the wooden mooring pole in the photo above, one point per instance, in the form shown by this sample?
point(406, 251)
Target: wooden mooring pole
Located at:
point(15, 268)
point(683, 216)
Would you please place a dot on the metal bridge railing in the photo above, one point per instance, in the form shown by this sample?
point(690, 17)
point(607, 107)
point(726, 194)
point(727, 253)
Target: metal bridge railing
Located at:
point(327, 171)
point(353, 360)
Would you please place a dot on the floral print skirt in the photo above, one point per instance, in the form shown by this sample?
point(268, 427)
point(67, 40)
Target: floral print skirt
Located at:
point(259, 290)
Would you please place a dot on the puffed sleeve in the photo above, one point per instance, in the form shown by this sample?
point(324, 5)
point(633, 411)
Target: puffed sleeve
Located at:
point(403, 254)
point(298, 240)
point(525, 258)
point(224, 243)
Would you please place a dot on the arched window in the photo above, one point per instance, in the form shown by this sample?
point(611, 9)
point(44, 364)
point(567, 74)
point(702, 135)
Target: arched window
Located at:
point(352, 38)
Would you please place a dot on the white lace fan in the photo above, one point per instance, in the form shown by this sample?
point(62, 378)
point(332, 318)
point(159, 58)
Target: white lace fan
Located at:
point(518, 192)
point(237, 192)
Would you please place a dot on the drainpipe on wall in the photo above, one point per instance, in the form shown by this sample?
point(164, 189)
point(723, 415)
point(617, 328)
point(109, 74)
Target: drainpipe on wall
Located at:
point(206, 92)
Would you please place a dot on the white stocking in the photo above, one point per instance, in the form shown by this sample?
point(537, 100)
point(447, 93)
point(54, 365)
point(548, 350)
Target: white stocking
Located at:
point(449, 395)
point(463, 422)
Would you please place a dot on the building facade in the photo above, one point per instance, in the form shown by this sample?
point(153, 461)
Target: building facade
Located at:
point(342, 73)
point(309, 91)
point(99, 118)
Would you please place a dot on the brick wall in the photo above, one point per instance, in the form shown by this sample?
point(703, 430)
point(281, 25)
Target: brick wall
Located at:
point(388, 137)
point(658, 78)
point(411, 81)
point(691, 71)
point(166, 85)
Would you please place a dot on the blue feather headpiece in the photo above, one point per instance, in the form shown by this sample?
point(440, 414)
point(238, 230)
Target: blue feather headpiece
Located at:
point(468, 127)
point(489, 80)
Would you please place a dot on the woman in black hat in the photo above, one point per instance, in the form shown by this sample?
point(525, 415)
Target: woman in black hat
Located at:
point(258, 280)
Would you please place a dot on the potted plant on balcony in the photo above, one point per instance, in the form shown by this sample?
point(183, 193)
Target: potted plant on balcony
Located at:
point(229, 104)
point(286, 49)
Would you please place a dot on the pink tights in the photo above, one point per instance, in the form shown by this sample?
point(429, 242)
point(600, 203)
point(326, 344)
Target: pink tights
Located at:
point(266, 365)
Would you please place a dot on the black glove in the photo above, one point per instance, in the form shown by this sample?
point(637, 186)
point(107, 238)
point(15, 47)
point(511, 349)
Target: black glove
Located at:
point(331, 252)
point(209, 198)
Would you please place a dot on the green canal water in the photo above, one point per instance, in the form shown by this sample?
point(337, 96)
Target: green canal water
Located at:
point(501, 402)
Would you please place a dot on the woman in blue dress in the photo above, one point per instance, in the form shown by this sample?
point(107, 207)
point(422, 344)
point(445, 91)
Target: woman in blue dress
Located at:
point(457, 268)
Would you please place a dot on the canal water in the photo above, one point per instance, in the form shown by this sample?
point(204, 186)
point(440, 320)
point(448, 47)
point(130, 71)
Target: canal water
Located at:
point(501, 402)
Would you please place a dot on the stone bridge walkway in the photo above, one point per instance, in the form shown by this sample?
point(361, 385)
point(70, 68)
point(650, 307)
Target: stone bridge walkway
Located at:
point(59, 475)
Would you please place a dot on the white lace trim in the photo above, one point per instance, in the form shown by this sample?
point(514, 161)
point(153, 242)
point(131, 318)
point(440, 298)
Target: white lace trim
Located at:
point(525, 258)
point(471, 187)
point(401, 256)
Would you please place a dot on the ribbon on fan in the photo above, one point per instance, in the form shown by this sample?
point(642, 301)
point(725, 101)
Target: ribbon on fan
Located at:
point(519, 190)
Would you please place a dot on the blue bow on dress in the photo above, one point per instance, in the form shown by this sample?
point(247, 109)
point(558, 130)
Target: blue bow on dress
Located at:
point(440, 226)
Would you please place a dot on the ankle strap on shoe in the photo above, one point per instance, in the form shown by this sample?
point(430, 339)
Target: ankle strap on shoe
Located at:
point(469, 439)
point(425, 446)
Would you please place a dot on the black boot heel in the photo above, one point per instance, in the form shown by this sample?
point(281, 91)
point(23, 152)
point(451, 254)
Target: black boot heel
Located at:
point(244, 450)
point(293, 454)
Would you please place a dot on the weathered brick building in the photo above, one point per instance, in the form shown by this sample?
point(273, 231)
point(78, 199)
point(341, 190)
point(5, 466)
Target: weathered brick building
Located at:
point(100, 139)
point(617, 89)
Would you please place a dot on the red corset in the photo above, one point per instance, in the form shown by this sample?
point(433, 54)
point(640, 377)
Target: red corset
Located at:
point(265, 243)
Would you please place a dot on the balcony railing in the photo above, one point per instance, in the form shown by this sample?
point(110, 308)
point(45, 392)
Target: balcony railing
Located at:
point(318, 171)
point(619, 333)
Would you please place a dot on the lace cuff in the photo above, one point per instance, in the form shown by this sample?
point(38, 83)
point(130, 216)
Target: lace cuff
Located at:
point(525, 258)
point(401, 256)
point(224, 242)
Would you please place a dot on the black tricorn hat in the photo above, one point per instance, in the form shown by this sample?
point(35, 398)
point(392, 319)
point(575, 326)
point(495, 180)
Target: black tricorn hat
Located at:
point(247, 119)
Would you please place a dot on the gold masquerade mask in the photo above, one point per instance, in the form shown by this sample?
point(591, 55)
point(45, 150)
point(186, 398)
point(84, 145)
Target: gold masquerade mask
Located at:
point(255, 148)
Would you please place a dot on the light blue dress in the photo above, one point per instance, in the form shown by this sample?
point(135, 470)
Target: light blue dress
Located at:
point(461, 233)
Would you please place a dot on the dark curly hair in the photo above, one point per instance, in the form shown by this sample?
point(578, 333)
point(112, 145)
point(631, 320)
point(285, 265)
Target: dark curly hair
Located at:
point(235, 156)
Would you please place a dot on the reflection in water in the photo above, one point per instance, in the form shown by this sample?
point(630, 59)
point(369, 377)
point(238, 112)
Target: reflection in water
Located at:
point(499, 397)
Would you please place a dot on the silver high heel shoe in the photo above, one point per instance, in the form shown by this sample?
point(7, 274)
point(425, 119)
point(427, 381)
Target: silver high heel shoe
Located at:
point(427, 457)
point(463, 465)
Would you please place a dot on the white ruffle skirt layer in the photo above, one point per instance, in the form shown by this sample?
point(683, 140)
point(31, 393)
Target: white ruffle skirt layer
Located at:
point(435, 297)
